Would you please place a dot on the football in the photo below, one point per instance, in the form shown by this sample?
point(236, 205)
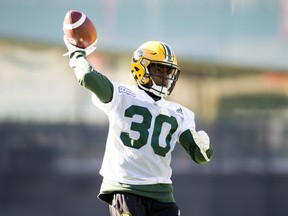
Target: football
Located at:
point(79, 29)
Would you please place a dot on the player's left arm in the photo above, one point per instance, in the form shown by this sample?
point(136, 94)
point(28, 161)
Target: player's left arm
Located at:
point(197, 145)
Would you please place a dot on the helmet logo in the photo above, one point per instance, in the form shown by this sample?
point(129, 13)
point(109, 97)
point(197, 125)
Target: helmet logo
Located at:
point(138, 54)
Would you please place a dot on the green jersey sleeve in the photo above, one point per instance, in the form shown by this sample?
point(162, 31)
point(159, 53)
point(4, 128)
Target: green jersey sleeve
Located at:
point(187, 141)
point(91, 79)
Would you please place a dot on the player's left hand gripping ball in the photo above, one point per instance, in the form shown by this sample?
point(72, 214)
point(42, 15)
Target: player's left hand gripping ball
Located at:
point(79, 32)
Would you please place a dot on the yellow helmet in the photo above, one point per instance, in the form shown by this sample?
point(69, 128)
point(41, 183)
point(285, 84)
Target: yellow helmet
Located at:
point(154, 52)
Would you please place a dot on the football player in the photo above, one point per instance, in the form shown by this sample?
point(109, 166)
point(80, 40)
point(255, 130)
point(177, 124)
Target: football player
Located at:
point(144, 128)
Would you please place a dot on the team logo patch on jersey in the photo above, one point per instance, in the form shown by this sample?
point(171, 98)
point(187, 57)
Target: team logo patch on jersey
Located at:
point(124, 90)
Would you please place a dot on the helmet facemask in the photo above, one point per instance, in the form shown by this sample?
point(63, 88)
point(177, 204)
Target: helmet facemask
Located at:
point(162, 79)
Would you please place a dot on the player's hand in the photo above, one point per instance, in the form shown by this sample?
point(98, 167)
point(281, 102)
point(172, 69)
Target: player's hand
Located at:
point(71, 48)
point(91, 48)
point(202, 140)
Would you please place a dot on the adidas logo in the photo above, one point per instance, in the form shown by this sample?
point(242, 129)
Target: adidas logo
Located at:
point(179, 110)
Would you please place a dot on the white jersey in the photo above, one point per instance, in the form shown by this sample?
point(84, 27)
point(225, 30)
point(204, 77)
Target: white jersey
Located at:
point(142, 134)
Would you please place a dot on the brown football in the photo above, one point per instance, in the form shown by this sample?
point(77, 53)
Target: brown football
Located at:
point(79, 29)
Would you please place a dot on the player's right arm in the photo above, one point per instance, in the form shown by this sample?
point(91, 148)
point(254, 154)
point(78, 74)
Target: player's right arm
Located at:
point(89, 78)
point(86, 75)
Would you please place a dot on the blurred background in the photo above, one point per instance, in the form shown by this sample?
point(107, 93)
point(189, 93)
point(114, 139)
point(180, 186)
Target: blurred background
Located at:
point(234, 60)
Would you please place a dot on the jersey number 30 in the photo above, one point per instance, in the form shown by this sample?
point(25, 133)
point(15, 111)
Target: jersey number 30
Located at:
point(143, 129)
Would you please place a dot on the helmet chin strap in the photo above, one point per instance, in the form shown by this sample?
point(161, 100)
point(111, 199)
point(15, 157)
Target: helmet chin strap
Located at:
point(158, 91)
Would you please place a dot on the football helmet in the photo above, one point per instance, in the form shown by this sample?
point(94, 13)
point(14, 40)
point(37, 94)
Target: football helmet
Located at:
point(154, 53)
